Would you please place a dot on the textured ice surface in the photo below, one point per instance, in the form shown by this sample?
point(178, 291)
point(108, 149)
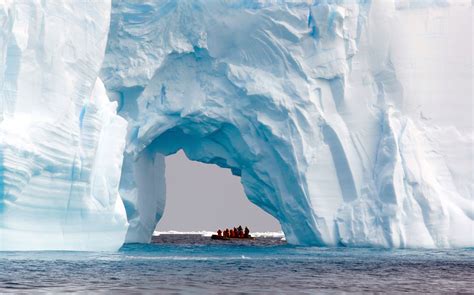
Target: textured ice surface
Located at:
point(348, 121)
point(61, 142)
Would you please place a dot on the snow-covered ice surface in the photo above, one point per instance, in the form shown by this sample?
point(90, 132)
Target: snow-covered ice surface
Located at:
point(61, 142)
point(351, 122)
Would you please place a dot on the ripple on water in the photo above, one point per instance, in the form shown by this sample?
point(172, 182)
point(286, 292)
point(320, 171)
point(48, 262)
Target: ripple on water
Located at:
point(196, 265)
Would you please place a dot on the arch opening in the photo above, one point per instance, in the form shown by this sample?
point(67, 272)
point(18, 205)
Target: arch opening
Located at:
point(202, 197)
point(210, 141)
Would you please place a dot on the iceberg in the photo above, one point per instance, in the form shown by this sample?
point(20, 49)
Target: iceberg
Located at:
point(61, 141)
point(348, 121)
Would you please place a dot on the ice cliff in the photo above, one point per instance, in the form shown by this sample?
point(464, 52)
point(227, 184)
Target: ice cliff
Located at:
point(348, 121)
point(61, 142)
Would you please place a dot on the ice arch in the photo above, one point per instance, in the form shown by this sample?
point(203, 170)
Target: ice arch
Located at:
point(313, 105)
point(350, 121)
point(243, 142)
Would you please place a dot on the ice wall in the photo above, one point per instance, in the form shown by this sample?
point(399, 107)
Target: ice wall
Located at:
point(349, 121)
point(61, 142)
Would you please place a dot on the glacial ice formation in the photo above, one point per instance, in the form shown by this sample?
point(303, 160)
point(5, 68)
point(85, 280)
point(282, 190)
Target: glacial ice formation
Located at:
point(61, 142)
point(349, 121)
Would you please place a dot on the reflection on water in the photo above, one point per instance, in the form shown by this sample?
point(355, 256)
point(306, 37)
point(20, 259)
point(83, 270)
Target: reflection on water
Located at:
point(194, 264)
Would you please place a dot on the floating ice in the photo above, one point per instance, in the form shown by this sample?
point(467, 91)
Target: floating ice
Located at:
point(348, 121)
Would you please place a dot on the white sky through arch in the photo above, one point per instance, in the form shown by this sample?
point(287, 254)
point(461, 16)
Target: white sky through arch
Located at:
point(206, 197)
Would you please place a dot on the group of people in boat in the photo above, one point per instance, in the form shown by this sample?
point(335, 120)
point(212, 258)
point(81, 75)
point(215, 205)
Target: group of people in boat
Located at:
point(238, 232)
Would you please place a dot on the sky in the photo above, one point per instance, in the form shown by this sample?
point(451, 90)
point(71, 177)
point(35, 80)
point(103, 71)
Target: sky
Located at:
point(206, 197)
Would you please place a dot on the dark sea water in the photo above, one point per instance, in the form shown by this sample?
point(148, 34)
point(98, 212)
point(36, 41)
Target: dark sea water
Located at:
point(197, 265)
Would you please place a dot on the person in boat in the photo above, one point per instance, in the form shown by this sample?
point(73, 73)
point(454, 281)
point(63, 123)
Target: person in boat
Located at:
point(219, 233)
point(226, 233)
point(246, 232)
point(240, 231)
point(232, 234)
point(236, 233)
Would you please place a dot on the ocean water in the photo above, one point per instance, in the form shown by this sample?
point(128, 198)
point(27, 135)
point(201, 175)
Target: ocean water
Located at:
point(193, 264)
